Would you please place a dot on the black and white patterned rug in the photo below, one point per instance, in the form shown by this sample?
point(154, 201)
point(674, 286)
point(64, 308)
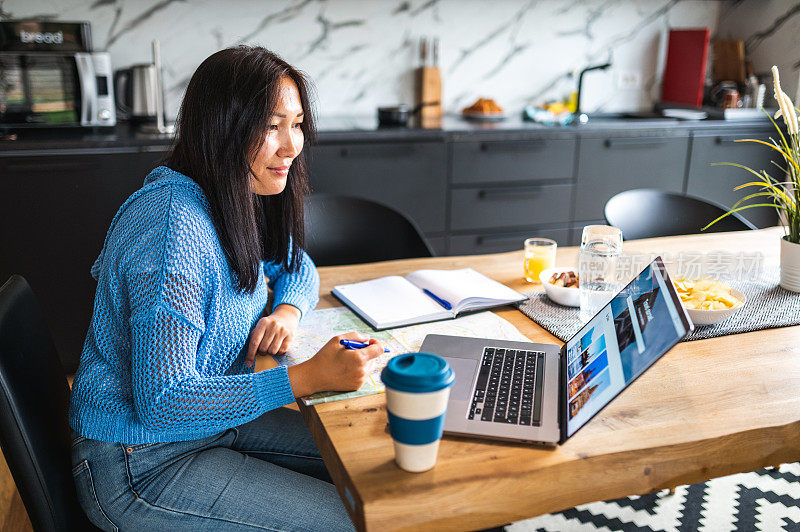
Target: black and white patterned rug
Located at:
point(765, 500)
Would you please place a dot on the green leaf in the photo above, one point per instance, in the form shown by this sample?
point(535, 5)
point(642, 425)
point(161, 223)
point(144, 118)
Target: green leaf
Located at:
point(741, 209)
point(776, 148)
point(771, 194)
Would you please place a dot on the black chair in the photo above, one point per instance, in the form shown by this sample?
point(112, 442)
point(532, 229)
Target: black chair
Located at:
point(34, 399)
point(346, 230)
point(647, 213)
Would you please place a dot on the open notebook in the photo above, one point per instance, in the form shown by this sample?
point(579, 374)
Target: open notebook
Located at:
point(422, 296)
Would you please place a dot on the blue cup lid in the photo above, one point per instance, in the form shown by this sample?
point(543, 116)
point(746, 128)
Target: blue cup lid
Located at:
point(417, 373)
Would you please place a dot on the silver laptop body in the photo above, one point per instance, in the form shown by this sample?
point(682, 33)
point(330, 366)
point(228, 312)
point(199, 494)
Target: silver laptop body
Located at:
point(464, 356)
point(553, 425)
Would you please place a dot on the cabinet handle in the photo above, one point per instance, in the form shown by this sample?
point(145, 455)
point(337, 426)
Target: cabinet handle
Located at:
point(511, 192)
point(400, 150)
point(513, 146)
point(634, 141)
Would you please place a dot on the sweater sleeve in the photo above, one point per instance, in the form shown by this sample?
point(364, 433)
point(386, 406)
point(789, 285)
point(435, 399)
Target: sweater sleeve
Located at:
point(170, 393)
point(171, 279)
point(299, 289)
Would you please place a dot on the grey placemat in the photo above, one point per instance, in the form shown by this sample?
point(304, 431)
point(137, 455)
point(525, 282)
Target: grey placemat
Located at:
point(768, 306)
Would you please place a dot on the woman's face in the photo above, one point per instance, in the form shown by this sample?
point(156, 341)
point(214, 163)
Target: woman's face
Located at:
point(283, 141)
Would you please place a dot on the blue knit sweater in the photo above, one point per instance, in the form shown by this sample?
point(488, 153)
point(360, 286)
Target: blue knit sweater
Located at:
point(163, 359)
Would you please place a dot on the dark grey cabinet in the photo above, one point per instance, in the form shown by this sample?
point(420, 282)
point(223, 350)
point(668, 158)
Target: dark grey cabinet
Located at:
point(504, 191)
point(55, 210)
point(497, 242)
point(439, 245)
point(408, 176)
point(513, 160)
point(509, 206)
point(611, 164)
point(717, 183)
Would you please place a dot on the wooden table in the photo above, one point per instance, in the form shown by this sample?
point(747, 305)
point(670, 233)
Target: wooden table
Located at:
point(708, 408)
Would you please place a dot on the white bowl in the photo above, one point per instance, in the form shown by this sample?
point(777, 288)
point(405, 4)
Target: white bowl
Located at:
point(710, 317)
point(569, 297)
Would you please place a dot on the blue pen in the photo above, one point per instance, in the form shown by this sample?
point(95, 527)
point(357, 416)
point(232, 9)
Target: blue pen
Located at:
point(354, 344)
point(438, 299)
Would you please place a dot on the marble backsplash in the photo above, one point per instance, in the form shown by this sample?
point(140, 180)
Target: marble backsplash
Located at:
point(361, 54)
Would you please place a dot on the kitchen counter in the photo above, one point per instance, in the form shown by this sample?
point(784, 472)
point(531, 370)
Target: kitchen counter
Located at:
point(125, 138)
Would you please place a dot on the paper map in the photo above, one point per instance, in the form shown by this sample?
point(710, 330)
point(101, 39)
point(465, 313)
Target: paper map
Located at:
point(320, 325)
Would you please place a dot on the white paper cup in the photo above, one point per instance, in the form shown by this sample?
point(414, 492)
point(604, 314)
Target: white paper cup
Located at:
point(422, 413)
point(417, 390)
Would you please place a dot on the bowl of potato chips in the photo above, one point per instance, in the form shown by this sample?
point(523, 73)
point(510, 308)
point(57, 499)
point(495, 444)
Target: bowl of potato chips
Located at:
point(707, 300)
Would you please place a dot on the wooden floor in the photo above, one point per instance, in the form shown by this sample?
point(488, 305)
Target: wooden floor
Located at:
point(13, 517)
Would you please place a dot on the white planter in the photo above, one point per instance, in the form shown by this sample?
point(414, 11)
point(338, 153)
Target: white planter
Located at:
point(790, 265)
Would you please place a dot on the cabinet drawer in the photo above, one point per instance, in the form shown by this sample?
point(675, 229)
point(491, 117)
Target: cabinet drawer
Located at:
point(408, 176)
point(609, 165)
point(513, 160)
point(489, 207)
point(506, 241)
point(716, 183)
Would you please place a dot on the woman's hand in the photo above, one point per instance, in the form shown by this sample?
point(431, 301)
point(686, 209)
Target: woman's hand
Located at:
point(334, 367)
point(273, 334)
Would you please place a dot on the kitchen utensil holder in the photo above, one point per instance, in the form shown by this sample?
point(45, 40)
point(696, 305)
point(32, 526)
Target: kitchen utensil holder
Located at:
point(429, 94)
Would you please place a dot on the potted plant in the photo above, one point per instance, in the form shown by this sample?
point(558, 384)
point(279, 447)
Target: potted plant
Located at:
point(782, 193)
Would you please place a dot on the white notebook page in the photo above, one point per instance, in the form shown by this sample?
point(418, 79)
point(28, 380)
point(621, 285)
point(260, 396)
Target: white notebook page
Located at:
point(456, 285)
point(390, 299)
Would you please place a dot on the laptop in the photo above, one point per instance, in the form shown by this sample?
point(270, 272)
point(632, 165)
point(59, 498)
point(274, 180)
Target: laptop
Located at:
point(543, 393)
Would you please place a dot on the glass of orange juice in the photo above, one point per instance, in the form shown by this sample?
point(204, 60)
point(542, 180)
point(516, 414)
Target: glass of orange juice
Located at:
point(540, 254)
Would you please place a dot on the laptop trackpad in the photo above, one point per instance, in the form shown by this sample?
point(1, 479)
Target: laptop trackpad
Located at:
point(464, 369)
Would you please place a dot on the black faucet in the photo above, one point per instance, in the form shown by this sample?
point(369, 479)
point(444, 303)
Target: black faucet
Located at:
point(578, 116)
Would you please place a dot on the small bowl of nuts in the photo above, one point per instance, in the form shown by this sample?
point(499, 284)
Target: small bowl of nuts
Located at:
point(561, 286)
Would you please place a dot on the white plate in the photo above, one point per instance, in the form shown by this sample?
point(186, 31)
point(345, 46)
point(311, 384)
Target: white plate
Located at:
point(569, 297)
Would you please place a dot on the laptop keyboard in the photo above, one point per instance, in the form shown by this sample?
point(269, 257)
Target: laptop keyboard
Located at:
point(509, 388)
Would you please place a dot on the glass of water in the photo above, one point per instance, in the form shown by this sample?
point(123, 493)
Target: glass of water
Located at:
point(601, 246)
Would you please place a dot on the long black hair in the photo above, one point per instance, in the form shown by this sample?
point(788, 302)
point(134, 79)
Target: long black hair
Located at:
point(221, 126)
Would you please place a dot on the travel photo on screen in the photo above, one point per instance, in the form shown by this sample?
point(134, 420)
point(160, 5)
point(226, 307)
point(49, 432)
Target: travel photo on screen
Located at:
point(585, 376)
point(584, 357)
point(596, 386)
point(586, 340)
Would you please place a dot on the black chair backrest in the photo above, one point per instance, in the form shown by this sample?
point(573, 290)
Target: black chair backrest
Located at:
point(346, 230)
point(34, 399)
point(647, 213)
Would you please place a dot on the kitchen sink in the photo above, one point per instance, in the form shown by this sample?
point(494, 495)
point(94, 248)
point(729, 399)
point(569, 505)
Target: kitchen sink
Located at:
point(627, 116)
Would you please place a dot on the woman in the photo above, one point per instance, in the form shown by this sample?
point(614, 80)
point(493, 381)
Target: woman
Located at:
point(172, 428)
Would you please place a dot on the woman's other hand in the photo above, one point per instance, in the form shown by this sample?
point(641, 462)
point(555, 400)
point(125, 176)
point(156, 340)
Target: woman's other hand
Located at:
point(273, 334)
point(334, 367)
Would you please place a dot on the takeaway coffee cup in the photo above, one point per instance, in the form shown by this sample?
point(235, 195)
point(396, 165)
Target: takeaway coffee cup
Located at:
point(417, 389)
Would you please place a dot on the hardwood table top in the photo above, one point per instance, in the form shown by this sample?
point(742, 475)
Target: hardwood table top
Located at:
point(708, 408)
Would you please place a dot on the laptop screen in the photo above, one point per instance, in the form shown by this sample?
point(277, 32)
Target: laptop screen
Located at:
point(626, 337)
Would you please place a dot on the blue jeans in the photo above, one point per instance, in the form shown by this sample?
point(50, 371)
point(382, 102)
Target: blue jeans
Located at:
point(264, 475)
